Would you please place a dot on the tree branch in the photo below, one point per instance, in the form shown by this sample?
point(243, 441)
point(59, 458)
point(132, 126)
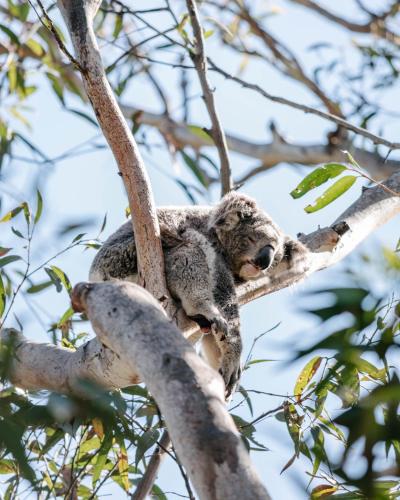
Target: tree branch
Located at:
point(130, 321)
point(307, 109)
point(375, 26)
point(200, 61)
point(150, 475)
point(269, 154)
point(78, 16)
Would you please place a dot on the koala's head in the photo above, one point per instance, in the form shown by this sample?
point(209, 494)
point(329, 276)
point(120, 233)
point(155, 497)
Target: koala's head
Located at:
point(252, 241)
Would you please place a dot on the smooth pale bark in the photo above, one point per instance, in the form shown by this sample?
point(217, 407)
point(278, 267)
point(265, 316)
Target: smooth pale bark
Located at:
point(189, 393)
point(78, 16)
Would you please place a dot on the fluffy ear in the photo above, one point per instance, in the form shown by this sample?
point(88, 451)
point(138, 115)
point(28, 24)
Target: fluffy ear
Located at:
point(233, 208)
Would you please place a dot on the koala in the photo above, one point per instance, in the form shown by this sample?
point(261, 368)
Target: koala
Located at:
point(207, 250)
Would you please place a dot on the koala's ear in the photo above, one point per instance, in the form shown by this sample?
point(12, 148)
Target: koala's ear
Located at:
point(233, 208)
point(227, 221)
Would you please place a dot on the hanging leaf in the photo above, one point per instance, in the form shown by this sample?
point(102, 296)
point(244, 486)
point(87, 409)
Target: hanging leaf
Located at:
point(39, 207)
point(332, 193)
point(317, 177)
point(2, 297)
point(306, 375)
point(7, 260)
point(145, 442)
point(194, 167)
point(62, 277)
point(101, 458)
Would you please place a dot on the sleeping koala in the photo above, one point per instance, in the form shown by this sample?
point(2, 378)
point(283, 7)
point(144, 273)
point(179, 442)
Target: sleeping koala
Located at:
point(206, 251)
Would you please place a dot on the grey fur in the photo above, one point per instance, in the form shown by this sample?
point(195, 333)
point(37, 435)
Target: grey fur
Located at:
point(206, 250)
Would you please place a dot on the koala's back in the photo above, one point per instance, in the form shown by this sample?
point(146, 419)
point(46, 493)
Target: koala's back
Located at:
point(117, 257)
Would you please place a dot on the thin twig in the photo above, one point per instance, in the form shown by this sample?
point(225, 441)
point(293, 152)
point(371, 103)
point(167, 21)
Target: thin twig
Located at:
point(149, 477)
point(376, 139)
point(50, 26)
point(200, 61)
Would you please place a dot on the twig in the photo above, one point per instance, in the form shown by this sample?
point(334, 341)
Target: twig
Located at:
point(376, 139)
point(50, 26)
point(146, 483)
point(200, 61)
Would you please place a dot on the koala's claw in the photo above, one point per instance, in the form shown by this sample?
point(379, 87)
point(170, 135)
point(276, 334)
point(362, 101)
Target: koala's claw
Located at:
point(231, 375)
point(219, 326)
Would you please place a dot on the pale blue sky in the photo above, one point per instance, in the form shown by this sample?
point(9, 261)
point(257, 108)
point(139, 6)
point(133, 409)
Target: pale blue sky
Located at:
point(88, 186)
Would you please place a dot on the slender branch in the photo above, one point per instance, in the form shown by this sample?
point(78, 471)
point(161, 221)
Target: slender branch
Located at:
point(149, 477)
point(307, 109)
point(49, 25)
point(375, 26)
point(282, 53)
point(200, 61)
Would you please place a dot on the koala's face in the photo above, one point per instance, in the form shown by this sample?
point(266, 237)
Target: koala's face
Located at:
point(252, 241)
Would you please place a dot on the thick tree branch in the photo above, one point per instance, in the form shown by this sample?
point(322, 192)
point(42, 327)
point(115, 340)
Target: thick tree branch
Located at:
point(188, 392)
point(200, 61)
point(329, 245)
point(78, 16)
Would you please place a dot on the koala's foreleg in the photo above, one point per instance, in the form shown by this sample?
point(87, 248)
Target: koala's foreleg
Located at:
point(199, 277)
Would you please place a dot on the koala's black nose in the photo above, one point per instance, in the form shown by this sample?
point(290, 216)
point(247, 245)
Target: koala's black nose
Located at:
point(265, 257)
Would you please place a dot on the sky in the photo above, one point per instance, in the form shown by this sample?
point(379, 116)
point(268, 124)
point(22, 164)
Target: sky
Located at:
point(88, 187)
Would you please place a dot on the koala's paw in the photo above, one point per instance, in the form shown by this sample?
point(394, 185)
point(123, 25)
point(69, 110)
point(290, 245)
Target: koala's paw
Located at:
point(219, 327)
point(230, 370)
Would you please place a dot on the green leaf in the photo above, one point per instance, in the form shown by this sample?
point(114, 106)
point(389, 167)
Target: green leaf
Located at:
point(2, 297)
point(332, 193)
point(201, 133)
point(306, 375)
point(101, 458)
point(194, 168)
point(365, 366)
point(12, 213)
point(35, 47)
point(325, 490)
point(39, 207)
point(12, 36)
point(145, 442)
point(118, 25)
point(62, 277)
point(391, 258)
point(7, 260)
point(39, 287)
point(4, 251)
point(317, 177)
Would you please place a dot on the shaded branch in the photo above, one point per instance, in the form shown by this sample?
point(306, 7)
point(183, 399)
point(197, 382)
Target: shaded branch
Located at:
point(200, 61)
point(132, 324)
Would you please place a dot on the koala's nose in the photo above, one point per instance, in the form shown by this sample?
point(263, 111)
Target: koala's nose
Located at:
point(265, 257)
